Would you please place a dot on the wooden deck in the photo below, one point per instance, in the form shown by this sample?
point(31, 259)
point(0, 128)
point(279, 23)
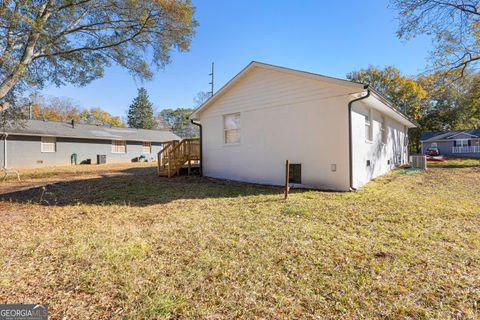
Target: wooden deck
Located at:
point(177, 154)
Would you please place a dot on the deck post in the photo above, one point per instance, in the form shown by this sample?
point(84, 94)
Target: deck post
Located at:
point(189, 166)
point(287, 178)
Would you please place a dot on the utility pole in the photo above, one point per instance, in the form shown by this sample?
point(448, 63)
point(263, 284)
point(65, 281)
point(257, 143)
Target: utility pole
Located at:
point(212, 75)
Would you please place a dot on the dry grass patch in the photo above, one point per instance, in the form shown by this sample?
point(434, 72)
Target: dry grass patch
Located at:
point(137, 246)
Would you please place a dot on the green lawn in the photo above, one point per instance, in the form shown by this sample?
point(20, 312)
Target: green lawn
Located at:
point(135, 246)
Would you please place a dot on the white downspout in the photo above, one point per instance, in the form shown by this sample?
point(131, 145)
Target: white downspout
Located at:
point(5, 158)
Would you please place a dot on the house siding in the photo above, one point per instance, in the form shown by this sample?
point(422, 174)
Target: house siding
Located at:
point(378, 153)
point(282, 117)
point(25, 151)
point(445, 147)
point(304, 119)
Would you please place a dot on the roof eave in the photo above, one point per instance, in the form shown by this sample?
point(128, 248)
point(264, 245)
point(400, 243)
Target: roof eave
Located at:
point(390, 104)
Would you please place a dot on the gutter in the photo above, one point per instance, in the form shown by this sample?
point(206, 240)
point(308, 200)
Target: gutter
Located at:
point(5, 158)
point(201, 145)
point(350, 138)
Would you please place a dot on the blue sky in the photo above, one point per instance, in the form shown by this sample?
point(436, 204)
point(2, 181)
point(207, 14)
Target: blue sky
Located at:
point(326, 37)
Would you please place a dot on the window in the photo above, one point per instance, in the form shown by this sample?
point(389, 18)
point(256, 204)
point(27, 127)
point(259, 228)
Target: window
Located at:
point(384, 131)
point(231, 127)
point(433, 145)
point(295, 173)
point(119, 146)
point(49, 144)
point(368, 126)
point(146, 147)
point(462, 143)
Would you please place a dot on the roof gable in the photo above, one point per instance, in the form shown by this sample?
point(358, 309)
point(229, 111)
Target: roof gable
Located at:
point(450, 135)
point(251, 66)
point(463, 134)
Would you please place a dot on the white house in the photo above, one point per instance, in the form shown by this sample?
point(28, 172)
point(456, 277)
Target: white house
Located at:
point(336, 134)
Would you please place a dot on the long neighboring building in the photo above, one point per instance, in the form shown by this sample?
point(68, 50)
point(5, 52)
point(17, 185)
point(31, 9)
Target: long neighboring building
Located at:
point(37, 143)
point(456, 143)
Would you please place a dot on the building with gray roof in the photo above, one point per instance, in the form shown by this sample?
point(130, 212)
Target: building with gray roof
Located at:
point(37, 143)
point(455, 143)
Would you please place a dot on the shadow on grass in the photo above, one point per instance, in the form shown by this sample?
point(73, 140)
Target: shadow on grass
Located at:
point(136, 187)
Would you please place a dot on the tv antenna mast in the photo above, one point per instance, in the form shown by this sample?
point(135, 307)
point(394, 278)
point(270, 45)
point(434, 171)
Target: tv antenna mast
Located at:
point(212, 75)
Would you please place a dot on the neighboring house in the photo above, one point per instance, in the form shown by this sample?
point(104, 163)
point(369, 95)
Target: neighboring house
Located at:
point(457, 143)
point(38, 143)
point(268, 114)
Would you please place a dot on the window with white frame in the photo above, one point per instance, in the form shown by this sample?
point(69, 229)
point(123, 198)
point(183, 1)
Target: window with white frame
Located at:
point(384, 131)
point(119, 146)
point(462, 143)
point(368, 126)
point(433, 145)
point(49, 144)
point(146, 147)
point(231, 128)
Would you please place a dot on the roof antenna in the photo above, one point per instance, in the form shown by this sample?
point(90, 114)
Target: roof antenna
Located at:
point(213, 77)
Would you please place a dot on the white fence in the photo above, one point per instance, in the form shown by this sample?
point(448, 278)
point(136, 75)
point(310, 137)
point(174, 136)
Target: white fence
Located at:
point(466, 149)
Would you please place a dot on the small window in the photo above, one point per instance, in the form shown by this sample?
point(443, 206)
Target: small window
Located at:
point(146, 147)
point(119, 146)
point(368, 126)
point(462, 143)
point(49, 144)
point(295, 173)
point(433, 145)
point(384, 131)
point(231, 127)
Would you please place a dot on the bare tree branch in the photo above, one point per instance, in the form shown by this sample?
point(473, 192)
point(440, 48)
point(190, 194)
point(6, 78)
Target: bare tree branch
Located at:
point(71, 41)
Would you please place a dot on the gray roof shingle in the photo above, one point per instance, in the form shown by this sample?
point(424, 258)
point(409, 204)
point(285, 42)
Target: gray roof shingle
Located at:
point(87, 131)
point(442, 135)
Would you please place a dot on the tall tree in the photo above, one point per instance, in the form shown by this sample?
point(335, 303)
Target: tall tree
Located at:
point(179, 122)
point(72, 41)
point(404, 92)
point(39, 107)
point(452, 105)
point(140, 113)
point(99, 116)
point(161, 124)
point(201, 97)
point(454, 25)
point(471, 111)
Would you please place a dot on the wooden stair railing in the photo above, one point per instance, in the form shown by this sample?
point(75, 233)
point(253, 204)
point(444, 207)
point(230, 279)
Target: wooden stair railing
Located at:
point(175, 154)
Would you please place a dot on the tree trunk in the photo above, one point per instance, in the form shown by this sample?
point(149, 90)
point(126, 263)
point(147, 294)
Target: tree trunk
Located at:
point(11, 81)
point(28, 54)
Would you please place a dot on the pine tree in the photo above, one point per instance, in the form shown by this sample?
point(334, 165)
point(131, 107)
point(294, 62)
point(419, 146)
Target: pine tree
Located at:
point(140, 113)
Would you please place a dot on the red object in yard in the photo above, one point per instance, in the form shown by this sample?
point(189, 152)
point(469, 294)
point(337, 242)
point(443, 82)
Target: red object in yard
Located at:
point(435, 158)
point(433, 151)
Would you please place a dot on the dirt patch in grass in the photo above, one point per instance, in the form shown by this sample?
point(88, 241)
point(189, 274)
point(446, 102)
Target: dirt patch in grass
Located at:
point(135, 246)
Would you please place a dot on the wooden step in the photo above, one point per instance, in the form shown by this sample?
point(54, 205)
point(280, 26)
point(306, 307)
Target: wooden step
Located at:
point(176, 154)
